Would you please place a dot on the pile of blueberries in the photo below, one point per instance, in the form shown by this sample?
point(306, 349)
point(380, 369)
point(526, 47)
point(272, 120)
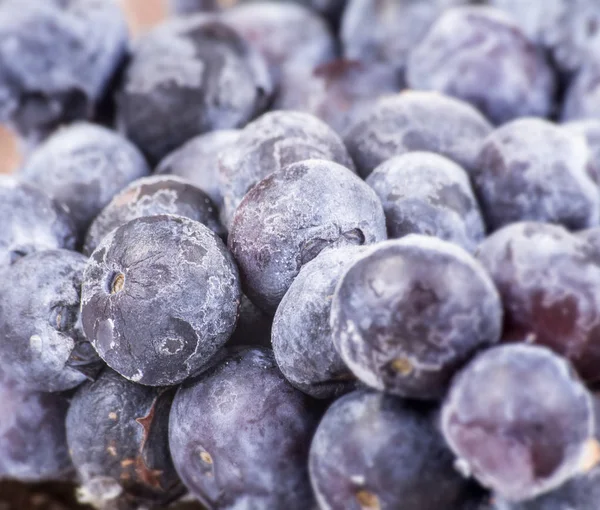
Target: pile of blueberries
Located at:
point(327, 254)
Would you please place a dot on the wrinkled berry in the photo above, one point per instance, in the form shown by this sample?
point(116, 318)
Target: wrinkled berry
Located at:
point(160, 297)
point(152, 196)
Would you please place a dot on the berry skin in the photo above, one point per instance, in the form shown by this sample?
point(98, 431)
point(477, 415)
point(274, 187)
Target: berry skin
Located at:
point(410, 312)
point(590, 130)
point(339, 92)
point(197, 161)
point(160, 297)
point(301, 333)
point(153, 196)
point(42, 345)
point(519, 420)
point(33, 443)
point(423, 193)
point(582, 98)
point(186, 77)
point(531, 169)
point(31, 221)
point(239, 435)
point(83, 166)
point(270, 143)
point(479, 54)
point(117, 433)
point(373, 451)
point(287, 35)
point(286, 220)
point(549, 281)
point(57, 59)
point(386, 31)
point(417, 121)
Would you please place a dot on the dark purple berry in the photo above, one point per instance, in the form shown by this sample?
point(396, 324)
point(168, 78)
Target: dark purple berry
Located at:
point(160, 297)
point(410, 312)
point(519, 421)
point(287, 219)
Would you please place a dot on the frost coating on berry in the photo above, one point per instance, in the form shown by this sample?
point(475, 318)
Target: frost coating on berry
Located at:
point(410, 312)
point(385, 31)
point(239, 435)
point(339, 92)
point(549, 281)
point(480, 55)
point(533, 170)
point(31, 221)
point(152, 196)
point(568, 28)
point(175, 280)
point(118, 439)
point(417, 121)
point(590, 130)
point(423, 193)
point(582, 98)
point(286, 220)
point(301, 333)
point(186, 77)
point(40, 328)
point(33, 444)
point(519, 443)
point(271, 142)
point(83, 166)
point(373, 451)
point(198, 161)
point(288, 35)
point(56, 59)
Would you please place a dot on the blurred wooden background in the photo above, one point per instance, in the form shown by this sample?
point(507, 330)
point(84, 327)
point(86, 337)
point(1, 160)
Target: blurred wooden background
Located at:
point(141, 14)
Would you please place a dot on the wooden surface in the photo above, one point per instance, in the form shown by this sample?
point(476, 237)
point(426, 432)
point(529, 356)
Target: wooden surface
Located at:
point(141, 14)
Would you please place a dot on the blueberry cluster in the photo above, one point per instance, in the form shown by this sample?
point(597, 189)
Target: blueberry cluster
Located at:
point(293, 255)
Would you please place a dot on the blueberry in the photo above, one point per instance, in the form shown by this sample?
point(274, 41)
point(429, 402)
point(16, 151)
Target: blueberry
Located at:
point(417, 121)
point(567, 28)
point(271, 142)
point(579, 493)
point(288, 35)
point(183, 7)
point(160, 296)
point(301, 333)
point(42, 344)
point(590, 130)
point(56, 59)
point(186, 77)
point(33, 443)
point(338, 92)
point(480, 55)
point(372, 451)
point(519, 420)
point(153, 196)
point(408, 314)
point(549, 281)
point(84, 166)
point(582, 98)
point(253, 326)
point(287, 219)
point(531, 169)
point(240, 435)
point(423, 193)
point(385, 31)
point(117, 432)
point(198, 162)
point(31, 221)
